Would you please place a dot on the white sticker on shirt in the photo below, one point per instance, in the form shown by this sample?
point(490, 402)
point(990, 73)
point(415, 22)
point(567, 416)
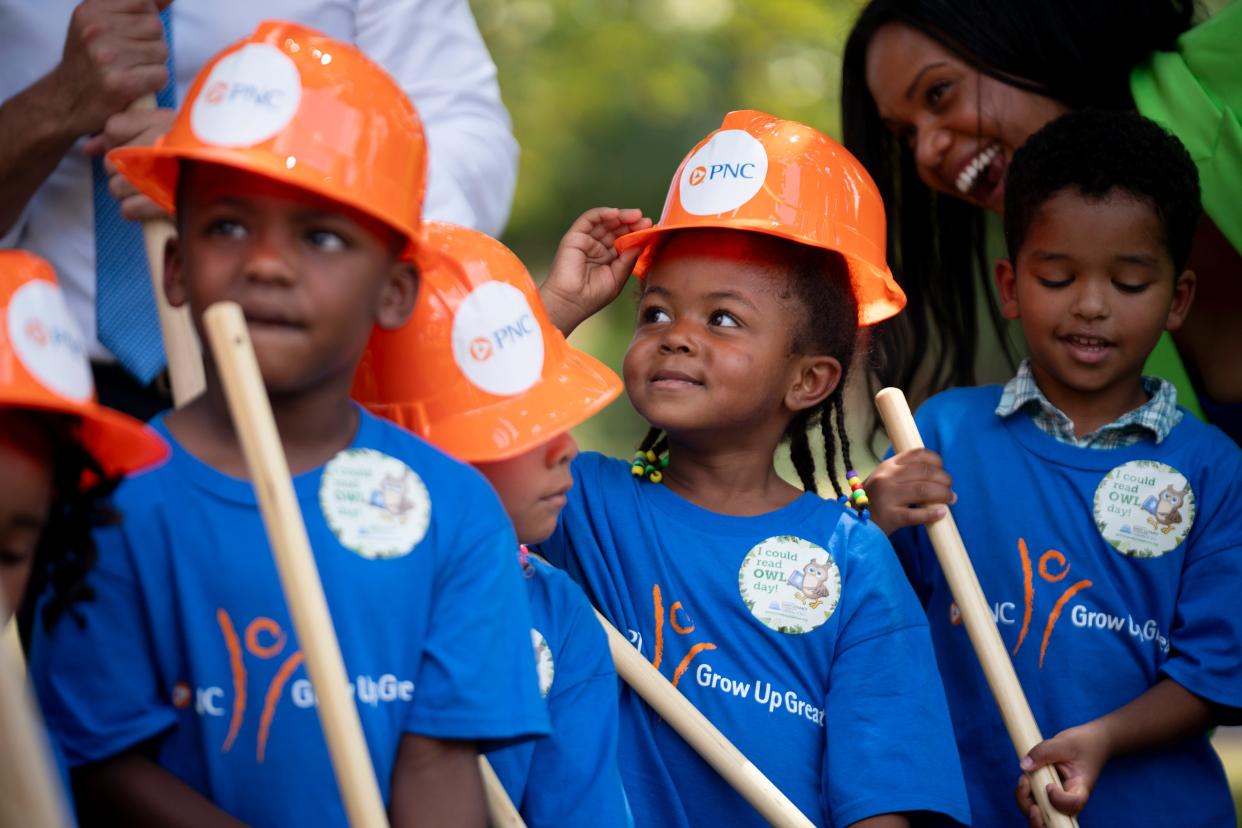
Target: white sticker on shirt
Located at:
point(1144, 509)
point(47, 342)
point(544, 664)
point(376, 505)
point(249, 96)
point(790, 584)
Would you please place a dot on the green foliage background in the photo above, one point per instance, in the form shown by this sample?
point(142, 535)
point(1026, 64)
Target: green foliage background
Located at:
point(607, 96)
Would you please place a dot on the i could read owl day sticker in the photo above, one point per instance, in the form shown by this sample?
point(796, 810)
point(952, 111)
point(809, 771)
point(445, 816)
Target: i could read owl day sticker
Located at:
point(790, 584)
point(376, 505)
point(1144, 509)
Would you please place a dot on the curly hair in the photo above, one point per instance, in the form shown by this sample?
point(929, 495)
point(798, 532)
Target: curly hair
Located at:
point(1097, 152)
point(81, 502)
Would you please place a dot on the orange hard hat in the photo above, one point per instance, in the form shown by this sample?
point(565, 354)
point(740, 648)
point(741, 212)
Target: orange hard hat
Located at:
point(767, 175)
point(302, 108)
point(43, 367)
point(479, 370)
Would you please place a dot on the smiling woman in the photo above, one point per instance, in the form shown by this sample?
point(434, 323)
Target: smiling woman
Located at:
point(938, 94)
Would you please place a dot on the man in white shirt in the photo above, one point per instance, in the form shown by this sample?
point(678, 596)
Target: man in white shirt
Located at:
point(69, 69)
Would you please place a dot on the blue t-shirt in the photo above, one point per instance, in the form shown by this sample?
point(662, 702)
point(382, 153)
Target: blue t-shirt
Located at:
point(794, 632)
point(569, 777)
point(188, 638)
point(1106, 570)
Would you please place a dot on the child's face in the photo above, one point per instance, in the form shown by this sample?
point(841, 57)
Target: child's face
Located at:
point(312, 276)
point(25, 498)
point(1094, 287)
point(532, 486)
point(712, 347)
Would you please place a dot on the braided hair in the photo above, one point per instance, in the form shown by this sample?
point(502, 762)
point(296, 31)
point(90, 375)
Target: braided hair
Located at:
point(820, 285)
point(66, 552)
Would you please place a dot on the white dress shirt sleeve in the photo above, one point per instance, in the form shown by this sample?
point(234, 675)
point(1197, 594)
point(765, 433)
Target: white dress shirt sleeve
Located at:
point(434, 50)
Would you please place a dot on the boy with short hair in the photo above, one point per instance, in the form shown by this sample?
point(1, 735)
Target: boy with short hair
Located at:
point(297, 169)
point(1102, 521)
point(499, 387)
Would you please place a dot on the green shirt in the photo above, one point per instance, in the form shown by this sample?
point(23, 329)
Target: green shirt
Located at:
point(1196, 93)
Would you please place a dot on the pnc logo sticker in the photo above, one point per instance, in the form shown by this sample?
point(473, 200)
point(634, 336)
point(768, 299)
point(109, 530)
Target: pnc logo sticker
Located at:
point(249, 96)
point(497, 343)
point(47, 342)
point(723, 174)
point(481, 348)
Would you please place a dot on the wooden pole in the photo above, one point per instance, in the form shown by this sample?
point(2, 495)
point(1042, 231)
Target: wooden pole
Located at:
point(185, 361)
point(30, 789)
point(500, 809)
point(269, 470)
point(977, 617)
point(650, 684)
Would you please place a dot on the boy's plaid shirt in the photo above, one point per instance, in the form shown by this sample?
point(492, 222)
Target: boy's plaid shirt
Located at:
point(1155, 418)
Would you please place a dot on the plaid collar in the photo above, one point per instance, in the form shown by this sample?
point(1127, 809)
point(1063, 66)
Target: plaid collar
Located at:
point(1155, 418)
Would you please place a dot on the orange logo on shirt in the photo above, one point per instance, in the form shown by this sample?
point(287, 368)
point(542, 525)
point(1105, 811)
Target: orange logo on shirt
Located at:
point(680, 628)
point(1053, 567)
point(265, 639)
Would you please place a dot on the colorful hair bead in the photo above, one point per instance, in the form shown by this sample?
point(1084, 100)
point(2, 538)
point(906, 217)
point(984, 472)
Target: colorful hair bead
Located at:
point(857, 496)
point(649, 465)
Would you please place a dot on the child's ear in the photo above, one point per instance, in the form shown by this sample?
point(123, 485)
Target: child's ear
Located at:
point(174, 277)
point(1006, 288)
point(1183, 298)
point(817, 377)
point(398, 295)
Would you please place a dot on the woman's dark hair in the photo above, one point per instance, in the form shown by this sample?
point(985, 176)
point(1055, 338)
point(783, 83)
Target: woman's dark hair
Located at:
point(828, 325)
point(1079, 53)
point(66, 552)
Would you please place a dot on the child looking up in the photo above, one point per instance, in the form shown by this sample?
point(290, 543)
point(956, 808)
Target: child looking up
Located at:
point(1103, 521)
point(498, 386)
point(296, 167)
point(781, 615)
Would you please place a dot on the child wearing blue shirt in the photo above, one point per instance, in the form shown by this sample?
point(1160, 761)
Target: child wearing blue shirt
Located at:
point(498, 386)
point(782, 616)
point(181, 696)
point(60, 451)
point(1102, 521)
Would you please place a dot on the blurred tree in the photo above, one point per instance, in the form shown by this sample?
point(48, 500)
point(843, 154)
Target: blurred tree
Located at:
point(607, 96)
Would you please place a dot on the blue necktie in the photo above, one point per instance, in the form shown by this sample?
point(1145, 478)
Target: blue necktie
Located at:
point(125, 311)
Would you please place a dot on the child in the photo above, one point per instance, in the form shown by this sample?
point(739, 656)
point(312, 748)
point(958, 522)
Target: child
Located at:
point(60, 452)
point(498, 386)
point(780, 615)
point(296, 168)
point(1110, 551)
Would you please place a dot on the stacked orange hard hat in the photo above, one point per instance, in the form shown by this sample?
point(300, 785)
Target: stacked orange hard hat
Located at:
point(762, 174)
point(302, 108)
point(479, 370)
point(43, 368)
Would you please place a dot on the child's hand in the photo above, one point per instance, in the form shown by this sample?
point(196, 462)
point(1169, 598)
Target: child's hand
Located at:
point(899, 486)
point(1078, 754)
point(587, 272)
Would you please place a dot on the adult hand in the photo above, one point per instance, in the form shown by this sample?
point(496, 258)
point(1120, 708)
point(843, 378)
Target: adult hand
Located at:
point(114, 54)
point(126, 129)
point(908, 488)
point(587, 272)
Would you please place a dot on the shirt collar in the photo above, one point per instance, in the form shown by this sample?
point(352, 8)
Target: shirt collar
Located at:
point(1157, 417)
